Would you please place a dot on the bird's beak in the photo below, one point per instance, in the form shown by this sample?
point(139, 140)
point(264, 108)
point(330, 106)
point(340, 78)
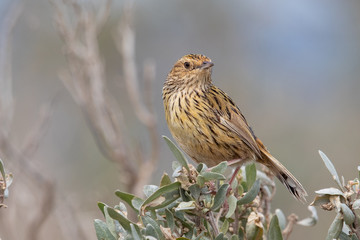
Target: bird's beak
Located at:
point(206, 65)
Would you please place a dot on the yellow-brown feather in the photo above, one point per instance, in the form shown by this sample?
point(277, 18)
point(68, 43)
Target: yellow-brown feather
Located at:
point(207, 124)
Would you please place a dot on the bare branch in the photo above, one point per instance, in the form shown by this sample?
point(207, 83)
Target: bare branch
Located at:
point(127, 49)
point(6, 95)
point(125, 42)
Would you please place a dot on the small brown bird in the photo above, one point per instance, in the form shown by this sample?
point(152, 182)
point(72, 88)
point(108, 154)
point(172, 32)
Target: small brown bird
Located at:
point(208, 125)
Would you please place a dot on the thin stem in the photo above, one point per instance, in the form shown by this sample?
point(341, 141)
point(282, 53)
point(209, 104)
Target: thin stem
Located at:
point(213, 223)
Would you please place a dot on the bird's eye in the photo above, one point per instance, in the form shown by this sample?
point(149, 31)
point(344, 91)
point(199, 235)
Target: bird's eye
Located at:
point(187, 65)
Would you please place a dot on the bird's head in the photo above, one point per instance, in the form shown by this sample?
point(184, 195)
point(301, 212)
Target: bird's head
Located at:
point(191, 69)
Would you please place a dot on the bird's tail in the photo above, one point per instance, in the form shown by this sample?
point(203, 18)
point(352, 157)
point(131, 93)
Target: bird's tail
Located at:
point(285, 177)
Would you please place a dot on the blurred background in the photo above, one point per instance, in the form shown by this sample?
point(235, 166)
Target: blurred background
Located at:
point(291, 66)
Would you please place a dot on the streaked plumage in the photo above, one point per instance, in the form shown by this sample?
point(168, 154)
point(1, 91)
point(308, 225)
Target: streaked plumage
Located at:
point(207, 124)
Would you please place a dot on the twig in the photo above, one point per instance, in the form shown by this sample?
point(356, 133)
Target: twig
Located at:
point(125, 42)
point(86, 81)
point(292, 219)
point(212, 222)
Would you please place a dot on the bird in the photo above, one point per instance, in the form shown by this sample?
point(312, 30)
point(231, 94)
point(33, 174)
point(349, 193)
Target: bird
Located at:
point(209, 127)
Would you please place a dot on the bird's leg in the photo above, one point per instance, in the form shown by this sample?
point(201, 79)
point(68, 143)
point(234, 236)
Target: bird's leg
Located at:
point(234, 174)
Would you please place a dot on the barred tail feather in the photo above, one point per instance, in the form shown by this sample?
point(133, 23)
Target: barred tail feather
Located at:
point(285, 177)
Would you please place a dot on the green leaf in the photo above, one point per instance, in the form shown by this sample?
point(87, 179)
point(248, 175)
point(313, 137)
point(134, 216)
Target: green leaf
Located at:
point(2, 170)
point(220, 196)
point(220, 168)
point(124, 222)
point(274, 232)
point(169, 198)
point(165, 180)
point(102, 231)
point(101, 206)
point(134, 232)
point(235, 184)
point(186, 206)
point(253, 231)
point(331, 169)
point(335, 227)
point(330, 191)
point(110, 222)
point(150, 189)
point(195, 191)
point(161, 191)
point(220, 237)
point(225, 227)
point(250, 171)
point(281, 217)
point(150, 231)
point(201, 167)
point(234, 237)
point(251, 194)
point(136, 203)
point(177, 153)
point(129, 199)
point(232, 206)
point(349, 216)
point(170, 219)
point(356, 204)
point(310, 221)
point(344, 236)
point(200, 180)
point(320, 200)
point(148, 220)
point(212, 176)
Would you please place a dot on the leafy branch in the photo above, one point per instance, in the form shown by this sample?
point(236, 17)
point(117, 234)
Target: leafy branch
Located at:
point(344, 200)
point(200, 204)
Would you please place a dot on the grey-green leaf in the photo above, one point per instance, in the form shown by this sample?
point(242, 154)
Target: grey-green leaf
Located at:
point(349, 216)
point(220, 196)
point(152, 222)
point(251, 194)
point(274, 232)
point(212, 176)
point(335, 227)
point(232, 201)
point(220, 168)
point(183, 206)
point(2, 170)
point(310, 221)
point(177, 153)
point(225, 226)
point(163, 190)
point(234, 237)
point(220, 237)
point(170, 219)
point(128, 198)
point(124, 222)
point(110, 222)
point(356, 204)
point(165, 180)
point(150, 189)
point(134, 232)
point(101, 206)
point(330, 191)
point(102, 231)
point(331, 169)
point(281, 218)
point(250, 171)
point(150, 231)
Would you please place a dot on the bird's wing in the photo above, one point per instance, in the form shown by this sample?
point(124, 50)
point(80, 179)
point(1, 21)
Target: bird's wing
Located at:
point(230, 116)
point(238, 124)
